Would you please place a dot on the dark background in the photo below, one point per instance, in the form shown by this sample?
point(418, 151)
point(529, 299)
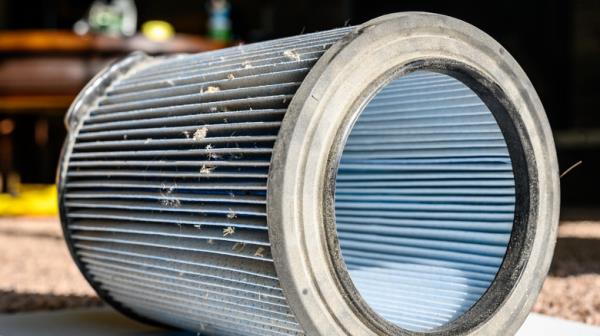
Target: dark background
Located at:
point(557, 42)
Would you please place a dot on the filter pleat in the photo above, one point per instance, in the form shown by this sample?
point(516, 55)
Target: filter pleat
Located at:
point(425, 200)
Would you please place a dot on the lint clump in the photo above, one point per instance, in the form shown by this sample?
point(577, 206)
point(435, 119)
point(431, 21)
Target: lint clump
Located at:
point(200, 134)
point(238, 247)
point(231, 214)
point(291, 54)
point(228, 231)
point(206, 169)
point(260, 252)
point(211, 89)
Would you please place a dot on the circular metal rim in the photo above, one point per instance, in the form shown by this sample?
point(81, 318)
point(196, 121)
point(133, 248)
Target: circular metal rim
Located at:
point(303, 149)
point(79, 109)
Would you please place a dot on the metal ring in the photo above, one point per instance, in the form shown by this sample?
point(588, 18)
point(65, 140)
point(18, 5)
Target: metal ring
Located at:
point(299, 203)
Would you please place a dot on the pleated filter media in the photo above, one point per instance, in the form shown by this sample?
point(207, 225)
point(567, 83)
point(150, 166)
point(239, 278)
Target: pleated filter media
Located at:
point(369, 180)
point(425, 200)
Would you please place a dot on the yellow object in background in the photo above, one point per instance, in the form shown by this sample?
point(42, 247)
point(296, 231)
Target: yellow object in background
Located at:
point(33, 200)
point(157, 30)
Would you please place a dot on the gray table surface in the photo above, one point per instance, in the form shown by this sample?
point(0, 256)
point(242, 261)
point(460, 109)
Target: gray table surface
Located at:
point(107, 322)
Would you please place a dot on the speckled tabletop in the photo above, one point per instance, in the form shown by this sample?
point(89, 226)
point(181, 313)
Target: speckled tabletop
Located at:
point(106, 322)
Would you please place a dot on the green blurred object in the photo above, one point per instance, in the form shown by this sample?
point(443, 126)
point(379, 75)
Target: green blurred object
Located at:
point(117, 18)
point(219, 25)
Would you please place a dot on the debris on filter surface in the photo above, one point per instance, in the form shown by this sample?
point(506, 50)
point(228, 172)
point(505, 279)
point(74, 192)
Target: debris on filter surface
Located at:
point(171, 82)
point(171, 202)
point(210, 154)
point(206, 169)
point(210, 241)
point(238, 247)
point(228, 231)
point(213, 109)
point(168, 200)
point(246, 65)
point(260, 252)
point(231, 214)
point(210, 89)
point(230, 76)
point(186, 133)
point(147, 141)
point(198, 226)
point(167, 189)
point(291, 54)
point(200, 133)
point(124, 136)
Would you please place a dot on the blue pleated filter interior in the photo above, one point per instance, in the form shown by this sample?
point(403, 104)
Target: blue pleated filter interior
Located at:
point(424, 200)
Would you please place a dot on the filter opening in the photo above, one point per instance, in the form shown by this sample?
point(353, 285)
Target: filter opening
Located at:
point(425, 201)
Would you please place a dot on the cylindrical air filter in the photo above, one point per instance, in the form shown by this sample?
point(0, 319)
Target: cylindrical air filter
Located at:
point(393, 178)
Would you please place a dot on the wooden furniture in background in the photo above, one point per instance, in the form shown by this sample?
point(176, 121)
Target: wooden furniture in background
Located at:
point(44, 70)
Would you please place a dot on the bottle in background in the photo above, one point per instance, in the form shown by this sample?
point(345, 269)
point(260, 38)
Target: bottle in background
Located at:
point(219, 24)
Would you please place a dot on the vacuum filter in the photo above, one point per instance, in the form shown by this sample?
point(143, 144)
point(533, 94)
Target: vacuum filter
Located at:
point(394, 178)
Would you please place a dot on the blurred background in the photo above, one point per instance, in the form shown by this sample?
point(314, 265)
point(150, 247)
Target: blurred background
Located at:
point(50, 49)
